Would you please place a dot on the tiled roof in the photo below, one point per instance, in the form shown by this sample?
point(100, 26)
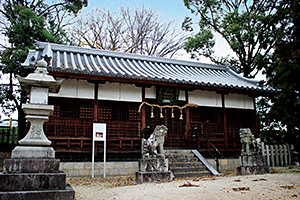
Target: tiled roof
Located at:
point(78, 60)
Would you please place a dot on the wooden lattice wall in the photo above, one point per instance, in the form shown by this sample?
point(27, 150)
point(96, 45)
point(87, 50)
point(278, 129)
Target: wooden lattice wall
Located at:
point(210, 121)
point(70, 127)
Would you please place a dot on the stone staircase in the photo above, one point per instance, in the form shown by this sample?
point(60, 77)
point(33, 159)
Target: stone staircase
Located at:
point(188, 163)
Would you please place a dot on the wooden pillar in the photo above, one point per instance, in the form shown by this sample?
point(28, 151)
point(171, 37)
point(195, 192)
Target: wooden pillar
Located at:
point(95, 110)
point(143, 109)
point(256, 119)
point(225, 122)
point(96, 102)
point(187, 115)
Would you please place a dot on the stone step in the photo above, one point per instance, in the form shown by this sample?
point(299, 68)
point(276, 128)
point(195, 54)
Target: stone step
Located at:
point(66, 194)
point(32, 181)
point(189, 155)
point(183, 160)
point(176, 151)
point(191, 174)
point(185, 164)
point(188, 169)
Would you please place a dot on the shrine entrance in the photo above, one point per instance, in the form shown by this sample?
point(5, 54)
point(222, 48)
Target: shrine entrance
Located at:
point(175, 123)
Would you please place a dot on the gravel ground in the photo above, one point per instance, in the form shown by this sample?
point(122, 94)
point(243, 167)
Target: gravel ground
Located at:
point(283, 185)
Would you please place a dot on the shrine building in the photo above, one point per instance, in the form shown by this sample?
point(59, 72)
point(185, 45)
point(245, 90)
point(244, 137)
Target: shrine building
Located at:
point(130, 92)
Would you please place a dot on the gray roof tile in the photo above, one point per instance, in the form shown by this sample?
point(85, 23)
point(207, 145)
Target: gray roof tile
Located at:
point(78, 60)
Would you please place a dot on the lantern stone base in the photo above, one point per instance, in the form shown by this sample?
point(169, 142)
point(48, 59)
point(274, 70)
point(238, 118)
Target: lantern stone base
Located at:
point(36, 115)
point(252, 164)
point(30, 152)
point(33, 173)
point(153, 169)
point(67, 194)
point(30, 165)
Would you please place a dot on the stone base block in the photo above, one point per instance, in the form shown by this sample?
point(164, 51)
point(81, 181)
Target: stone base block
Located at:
point(17, 165)
point(145, 177)
point(67, 194)
point(253, 160)
point(153, 165)
point(32, 181)
point(33, 152)
point(249, 170)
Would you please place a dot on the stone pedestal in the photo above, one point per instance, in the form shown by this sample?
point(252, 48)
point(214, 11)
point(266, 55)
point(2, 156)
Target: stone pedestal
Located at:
point(253, 164)
point(37, 114)
point(153, 169)
point(33, 173)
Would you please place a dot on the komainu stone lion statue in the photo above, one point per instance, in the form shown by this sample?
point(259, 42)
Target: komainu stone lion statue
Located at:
point(250, 145)
point(153, 146)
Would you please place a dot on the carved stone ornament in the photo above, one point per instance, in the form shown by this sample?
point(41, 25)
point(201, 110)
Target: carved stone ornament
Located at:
point(250, 144)
point(153, 146)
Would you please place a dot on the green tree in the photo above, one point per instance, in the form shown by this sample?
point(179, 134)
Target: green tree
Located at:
point(246, 26)
point(283, 73)
point(24, 22)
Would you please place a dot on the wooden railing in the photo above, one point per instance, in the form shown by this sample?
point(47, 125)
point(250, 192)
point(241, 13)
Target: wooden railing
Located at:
point(8, 138)
point(277, 155)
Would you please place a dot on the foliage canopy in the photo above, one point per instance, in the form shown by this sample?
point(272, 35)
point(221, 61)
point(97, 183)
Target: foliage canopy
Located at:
point(247, 27)
point(24, 22)
point(283, 73)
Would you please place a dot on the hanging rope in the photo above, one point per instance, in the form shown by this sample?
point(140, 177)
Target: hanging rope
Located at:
point(166, 106)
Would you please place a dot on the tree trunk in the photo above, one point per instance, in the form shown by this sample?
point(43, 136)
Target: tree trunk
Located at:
point(22, 130)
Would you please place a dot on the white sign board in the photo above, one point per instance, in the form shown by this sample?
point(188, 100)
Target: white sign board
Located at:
point(99, 134)
point(99, 131)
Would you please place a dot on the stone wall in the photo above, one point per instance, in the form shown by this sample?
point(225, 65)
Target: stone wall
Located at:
point(112, 168)
point(82, 169)
point(226, 164)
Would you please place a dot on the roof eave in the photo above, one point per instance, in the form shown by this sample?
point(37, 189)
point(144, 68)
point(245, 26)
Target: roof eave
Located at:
point(149, 81)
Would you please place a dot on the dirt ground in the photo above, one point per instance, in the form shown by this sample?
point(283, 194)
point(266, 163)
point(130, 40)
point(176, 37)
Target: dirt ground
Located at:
point(281, 183)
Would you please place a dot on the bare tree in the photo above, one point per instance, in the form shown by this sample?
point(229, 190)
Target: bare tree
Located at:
point(134, 31)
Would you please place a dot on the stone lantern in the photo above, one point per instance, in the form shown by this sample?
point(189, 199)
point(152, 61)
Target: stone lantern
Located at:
point(33, 172)
point(39, 84)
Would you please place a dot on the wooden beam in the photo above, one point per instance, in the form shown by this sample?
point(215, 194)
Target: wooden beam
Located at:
point(224, 122)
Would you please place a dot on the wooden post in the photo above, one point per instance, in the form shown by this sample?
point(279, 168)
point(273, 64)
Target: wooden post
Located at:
point(263, 151)
point(256, 120)
point(143, 110)
point(187, 115)
point(268, 155)
point(225, 123)
point(95, 111)
point(281, 155)
point(276, 155)
point(285, 155)
point(289, 154)
point(96, 102)
point(272, 155)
